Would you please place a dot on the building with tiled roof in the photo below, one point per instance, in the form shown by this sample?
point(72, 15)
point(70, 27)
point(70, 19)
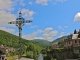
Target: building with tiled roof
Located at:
point(73, 42)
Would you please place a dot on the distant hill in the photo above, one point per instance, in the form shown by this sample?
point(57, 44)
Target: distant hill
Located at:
point(42, 42)
point(59, 39)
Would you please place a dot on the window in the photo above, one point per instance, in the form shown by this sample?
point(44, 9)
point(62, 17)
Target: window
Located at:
point(69, 42)
point(75, 41)
point(79, 42)
point(79, 36)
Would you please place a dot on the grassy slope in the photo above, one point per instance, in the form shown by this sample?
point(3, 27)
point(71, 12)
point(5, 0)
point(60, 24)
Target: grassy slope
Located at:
point(13, 41)
point(59, 39)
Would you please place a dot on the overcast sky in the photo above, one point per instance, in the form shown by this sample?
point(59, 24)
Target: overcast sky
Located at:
point(51, 18)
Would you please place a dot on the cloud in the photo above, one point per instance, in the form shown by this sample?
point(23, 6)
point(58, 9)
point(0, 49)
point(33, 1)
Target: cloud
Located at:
point(47, 30)
point(19, 2)
point(61, 34)
point(22, 3)
point(56, 1)
point(35, 26)
point(6, 17)
point(62, 27)
point(30, 3)
point(65, 26)
point(27, 13)
point(6, 5)
point(32, 35)
point(47, 34)
point(10, 30)
point(50, 35)
point(17, 34)
point(77, 17)
point(43, 2)
point(61, 0)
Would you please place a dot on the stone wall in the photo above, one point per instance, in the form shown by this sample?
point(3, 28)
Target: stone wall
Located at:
point(62, 54)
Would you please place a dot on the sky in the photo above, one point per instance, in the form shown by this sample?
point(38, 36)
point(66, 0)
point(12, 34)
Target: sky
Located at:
point(51, 18)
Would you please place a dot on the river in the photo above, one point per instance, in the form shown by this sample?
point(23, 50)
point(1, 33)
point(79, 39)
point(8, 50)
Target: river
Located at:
point(40, 57)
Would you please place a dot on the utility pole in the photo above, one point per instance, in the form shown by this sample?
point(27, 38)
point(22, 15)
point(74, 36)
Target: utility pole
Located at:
point(20, 22)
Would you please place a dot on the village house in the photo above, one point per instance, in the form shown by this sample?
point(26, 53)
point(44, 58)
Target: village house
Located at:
point(54, 46)
point(5, 50)
point(58, 45)
point(73, 42)
point(70, 47)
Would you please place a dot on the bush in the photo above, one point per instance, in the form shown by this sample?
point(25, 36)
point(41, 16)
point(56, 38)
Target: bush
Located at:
point(29, 54)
